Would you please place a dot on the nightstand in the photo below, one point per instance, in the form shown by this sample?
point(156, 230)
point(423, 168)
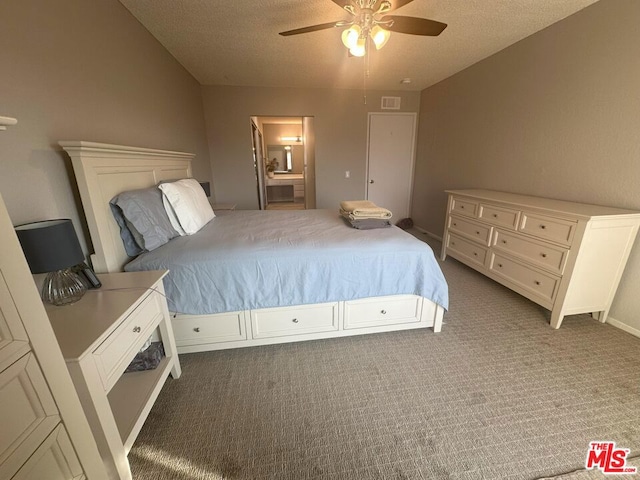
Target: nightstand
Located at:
point(99, 337)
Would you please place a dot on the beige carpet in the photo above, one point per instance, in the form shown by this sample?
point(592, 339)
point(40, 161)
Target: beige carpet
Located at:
point(497, 394)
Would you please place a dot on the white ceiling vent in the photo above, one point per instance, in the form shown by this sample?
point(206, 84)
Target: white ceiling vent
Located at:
point(390, 103)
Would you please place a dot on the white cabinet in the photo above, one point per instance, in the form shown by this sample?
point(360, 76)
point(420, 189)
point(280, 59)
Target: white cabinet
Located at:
point(99, 337)
point(43, 432)
point(567, 257)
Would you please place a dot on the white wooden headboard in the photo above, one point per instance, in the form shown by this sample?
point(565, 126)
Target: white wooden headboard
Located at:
point(102, 171)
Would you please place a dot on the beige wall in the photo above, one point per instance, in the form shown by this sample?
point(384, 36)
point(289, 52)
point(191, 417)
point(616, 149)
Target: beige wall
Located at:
point(555, 115)
point(78, 70)
point(340, 129)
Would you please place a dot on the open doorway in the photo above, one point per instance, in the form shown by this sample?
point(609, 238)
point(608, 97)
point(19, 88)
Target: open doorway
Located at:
point(284, 159)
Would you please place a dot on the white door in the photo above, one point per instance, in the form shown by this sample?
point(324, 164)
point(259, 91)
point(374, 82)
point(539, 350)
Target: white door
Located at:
point(390, 160)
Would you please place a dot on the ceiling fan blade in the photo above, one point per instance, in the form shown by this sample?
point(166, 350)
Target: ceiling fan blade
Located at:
point(413, 25)
point(347, 5)
point(313, 28)
point(395, 4)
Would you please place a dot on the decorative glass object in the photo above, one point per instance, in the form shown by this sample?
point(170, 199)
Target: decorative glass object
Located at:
point(63, 287)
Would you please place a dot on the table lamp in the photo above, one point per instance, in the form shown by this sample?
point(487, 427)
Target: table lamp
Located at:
point(52, 247)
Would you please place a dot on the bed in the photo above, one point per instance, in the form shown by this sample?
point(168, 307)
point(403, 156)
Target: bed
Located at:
point(317, 277)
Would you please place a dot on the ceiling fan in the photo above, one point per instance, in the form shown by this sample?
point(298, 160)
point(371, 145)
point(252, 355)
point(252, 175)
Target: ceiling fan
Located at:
point(371, 22)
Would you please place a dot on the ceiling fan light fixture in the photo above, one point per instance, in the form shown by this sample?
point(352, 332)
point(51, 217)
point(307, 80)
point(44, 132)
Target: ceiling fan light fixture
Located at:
point(380, 36)
point(360, 49)
point(350, 36)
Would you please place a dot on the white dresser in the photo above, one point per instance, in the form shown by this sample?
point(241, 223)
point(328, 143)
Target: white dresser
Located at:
point(43, 431)
point(567, 257)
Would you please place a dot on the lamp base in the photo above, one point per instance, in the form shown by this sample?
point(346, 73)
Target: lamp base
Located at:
point(63, 287)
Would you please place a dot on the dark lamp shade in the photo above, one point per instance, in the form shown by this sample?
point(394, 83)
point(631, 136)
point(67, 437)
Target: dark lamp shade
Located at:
point(50, 245)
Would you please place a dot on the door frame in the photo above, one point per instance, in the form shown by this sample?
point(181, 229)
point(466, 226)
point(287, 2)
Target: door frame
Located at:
point(413, 153)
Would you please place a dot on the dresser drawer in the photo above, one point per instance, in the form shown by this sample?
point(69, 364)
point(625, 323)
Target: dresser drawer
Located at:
point(298, 320)
point(548, 228)
point(500, 216)
point(391, 310)
point(28, 412)
point(538, 283)
point(464, 207)
point(199, 330)
point(545, 255)
point(114, 354)
point(473, 252)
point(470, 229)
point(55, 459)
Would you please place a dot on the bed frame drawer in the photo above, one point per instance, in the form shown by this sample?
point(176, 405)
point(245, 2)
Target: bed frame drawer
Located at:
point(204, 329)
point(296, 320)
point(390, 310)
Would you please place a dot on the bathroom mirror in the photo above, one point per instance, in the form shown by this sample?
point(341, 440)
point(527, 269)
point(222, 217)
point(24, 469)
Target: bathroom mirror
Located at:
point(283, 155)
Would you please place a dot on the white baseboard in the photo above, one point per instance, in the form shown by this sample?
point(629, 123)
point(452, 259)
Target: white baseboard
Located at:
point(623, 326)
point(428, 233)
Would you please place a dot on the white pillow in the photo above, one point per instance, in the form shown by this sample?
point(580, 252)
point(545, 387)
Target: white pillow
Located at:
point(188, 205)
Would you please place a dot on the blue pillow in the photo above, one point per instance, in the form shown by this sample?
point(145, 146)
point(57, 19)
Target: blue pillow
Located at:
point(131, 245)
point(144, 213)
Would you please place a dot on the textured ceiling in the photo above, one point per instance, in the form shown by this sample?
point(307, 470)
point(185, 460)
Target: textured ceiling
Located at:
point(237, 42)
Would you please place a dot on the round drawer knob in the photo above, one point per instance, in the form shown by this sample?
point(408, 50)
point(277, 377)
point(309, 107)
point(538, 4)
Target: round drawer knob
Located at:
point(495, 215)
point(455, 224)
point(136, 329)
point(477, 233)
point(544, 255)
point(462, 207)
point(499, 265)
point(453, 243)
point(475, 253)
point(537, 282)
point(197, 329)
point(383, 312)
point(543, 227)
point(504, 241)
point(295, 320)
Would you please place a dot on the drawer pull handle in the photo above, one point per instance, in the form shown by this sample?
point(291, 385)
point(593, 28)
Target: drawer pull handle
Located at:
point(504, 241)
point(383, 312)
point(477, 233)
point(475, 253)
point(537, 282)
point(453, 243)
point(543, 227)
point(136, 329)
point(544, 255)
point(499, 265)
point(295, 320)
point(455, 224)
point(495, 215)
point(197, 329)
point(462, 207)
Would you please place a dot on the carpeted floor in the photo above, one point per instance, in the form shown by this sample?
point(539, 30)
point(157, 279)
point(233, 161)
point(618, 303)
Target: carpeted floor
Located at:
point(497, 394)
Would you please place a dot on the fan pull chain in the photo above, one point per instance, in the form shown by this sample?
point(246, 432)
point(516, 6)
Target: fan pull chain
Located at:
point(366, 70)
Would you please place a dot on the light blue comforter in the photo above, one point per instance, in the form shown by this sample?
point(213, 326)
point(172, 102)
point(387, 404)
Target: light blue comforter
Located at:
point(256, 259)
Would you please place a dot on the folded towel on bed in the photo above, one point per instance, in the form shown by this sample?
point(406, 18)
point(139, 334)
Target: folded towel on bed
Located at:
point(356, 209)
point(367, 223)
